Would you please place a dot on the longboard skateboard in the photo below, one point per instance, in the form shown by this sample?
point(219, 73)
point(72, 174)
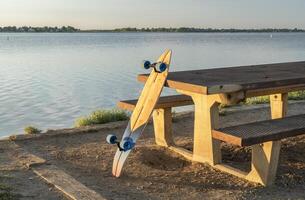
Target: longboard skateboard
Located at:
point(142, 112)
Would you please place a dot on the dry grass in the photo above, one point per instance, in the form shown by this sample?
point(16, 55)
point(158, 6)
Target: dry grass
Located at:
point(101, 117)
point(31, 130)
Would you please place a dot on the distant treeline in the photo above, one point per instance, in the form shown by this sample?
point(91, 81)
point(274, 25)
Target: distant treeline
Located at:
point(204, 30)
point(39, 29)
point(177, 30)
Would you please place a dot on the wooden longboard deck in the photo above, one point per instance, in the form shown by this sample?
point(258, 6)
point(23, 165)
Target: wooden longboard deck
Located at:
point(150, 94)
point(143, 110)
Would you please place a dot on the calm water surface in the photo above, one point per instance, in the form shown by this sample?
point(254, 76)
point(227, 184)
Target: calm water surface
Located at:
point(48, 80)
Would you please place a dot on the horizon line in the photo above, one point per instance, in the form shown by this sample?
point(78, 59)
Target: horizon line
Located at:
point(155, 27)
point(69, 28)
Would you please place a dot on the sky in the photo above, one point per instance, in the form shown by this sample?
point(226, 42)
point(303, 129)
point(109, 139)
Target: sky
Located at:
point(109, 14)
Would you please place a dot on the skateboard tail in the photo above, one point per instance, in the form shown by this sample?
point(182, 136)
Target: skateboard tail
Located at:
point(121, 156)
point(117, 167)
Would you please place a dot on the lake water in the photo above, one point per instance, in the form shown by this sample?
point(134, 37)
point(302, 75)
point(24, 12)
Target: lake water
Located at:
point(48, 80)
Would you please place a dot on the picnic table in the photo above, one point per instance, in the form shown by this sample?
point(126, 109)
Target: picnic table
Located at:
point(208, 88)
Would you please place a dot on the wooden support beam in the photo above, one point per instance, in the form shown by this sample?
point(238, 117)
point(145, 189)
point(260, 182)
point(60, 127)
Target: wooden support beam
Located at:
point(65, 183)
point(264, 162)
point(206, 148)
point(231, 98)
point(265, 156)
point(274, 90)
point(183, 152)
point(163, 126)
point(278, 105)
point(231, 170)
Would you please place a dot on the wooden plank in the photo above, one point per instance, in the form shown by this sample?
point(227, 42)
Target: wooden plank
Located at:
point(178, 85)
point(231, 170)
point(163, 126)
point(233, 79)
point(225, 137)
point(183, 152)
point(275, 90)
point(263, 131)
point(163, 102)
point(65, 183)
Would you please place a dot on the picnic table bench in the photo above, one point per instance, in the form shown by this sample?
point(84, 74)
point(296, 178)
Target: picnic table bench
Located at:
point(208, 88)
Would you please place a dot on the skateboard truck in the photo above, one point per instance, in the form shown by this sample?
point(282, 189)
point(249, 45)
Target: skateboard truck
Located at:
point(125, 145)
point(158, 66)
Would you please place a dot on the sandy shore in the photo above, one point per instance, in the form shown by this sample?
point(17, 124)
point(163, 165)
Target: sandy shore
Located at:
point(151, 172)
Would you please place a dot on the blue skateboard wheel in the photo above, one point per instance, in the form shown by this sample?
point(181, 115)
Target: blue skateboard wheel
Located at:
point(127, 144)
point(146, 64)
point(111, 139)
point(161, 67)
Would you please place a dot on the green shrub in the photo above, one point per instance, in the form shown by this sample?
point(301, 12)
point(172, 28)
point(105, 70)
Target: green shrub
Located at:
point(298, 95)
point(31, 130)
point(102, 117)
point(257, 100)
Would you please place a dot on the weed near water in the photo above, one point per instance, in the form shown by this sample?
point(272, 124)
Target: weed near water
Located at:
point(298, 95)
point(101, 117)
point(31, 130)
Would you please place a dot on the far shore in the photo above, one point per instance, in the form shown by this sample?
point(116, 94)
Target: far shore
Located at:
point(70, 29)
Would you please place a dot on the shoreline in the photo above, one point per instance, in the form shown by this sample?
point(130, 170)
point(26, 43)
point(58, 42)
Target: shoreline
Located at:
point(120, 124)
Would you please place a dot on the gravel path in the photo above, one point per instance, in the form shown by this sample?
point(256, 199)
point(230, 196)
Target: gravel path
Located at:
point(154, 172)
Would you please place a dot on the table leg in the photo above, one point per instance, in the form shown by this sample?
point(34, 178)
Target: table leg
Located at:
point(265, 156)
point(278, 105)
point(206, 148)
point(163, 126)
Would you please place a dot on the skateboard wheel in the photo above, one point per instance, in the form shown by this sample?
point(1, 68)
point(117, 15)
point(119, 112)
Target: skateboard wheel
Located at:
point(111, 139)
point(127, 144)
point(146, 64)
point(161, 67)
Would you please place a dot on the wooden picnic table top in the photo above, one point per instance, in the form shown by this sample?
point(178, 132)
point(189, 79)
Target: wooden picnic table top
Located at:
point(233, 79)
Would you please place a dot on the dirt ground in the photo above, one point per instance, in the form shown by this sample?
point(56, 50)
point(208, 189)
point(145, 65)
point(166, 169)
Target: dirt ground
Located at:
point(153, 172)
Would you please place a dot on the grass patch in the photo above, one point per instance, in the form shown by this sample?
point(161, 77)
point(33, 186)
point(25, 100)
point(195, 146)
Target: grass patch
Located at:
point(101, 117)
point(298, 95)
point(31, 130)
point(256, 100)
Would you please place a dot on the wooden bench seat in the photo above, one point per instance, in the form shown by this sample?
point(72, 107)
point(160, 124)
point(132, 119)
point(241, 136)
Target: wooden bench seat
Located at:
point(163, 102)
point(263, 131)
point(263, 137)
